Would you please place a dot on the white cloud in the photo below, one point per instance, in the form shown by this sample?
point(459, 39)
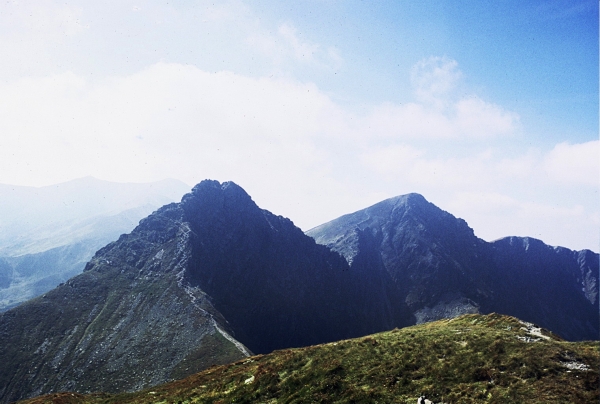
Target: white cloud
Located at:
point(288, 45)
point(434, 79)
point(574, 163)
point(495, 215)
point(519, 168)
point(475, 117)
point(418, 168)
point(439, 112)
point(46, 19)
point(32, 32)
point(302, 50)
point(166, 121)
point(294, 149)
point(467, 118)
point(393, 160)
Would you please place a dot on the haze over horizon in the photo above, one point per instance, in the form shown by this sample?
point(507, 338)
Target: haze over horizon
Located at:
point(317, 108)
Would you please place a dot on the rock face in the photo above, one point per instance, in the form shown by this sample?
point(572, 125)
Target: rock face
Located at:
point(554, 287)
point(437, 268)
point(275, 286)
point(164, 301)
point(207, 280)
point(127, 322)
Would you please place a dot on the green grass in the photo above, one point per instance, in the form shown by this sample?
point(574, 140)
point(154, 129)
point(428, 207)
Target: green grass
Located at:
point(470, 359)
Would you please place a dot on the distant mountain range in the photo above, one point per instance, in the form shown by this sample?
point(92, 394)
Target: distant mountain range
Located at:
point(48, 234)
point(214, 278)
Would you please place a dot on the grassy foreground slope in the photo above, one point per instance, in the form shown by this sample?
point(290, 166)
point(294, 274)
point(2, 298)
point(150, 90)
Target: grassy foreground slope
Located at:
point(469, 359)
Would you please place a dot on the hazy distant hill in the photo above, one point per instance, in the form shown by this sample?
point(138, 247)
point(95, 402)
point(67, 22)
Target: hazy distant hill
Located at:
point(35, 219)
point(48, 234)
point(470, 359)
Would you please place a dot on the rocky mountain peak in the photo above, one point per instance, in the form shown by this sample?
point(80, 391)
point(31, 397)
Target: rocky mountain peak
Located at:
point(198, 281)
point(210, 202)
point(408, 220)
point(208, 188)
point(438, 267)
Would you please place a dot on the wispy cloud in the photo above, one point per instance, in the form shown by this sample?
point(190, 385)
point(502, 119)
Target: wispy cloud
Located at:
point(434, 80)
point(287, 44)
point(440, 109)
point(296, 150)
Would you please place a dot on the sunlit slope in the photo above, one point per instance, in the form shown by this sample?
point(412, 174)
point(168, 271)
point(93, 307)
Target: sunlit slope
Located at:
point(470, 359)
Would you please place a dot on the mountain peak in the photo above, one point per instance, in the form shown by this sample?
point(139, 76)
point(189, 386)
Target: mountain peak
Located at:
point(404, 211)
point(213, 184)
point(197, 281)
point(212, 189)
point(411, 199)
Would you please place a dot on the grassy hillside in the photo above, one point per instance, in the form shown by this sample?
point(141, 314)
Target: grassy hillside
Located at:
point(469, 359)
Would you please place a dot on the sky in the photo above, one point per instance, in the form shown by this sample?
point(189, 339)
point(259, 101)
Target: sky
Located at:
point(317, 108)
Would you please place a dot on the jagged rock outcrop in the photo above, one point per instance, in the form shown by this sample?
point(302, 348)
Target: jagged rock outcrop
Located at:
point(430, 257)
point(438, 268)
point(275, 286)
point(166, 300)
point(129, 321)
point(207, 280)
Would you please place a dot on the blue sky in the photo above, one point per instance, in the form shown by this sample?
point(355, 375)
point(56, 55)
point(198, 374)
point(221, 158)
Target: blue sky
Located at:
point(317, 107)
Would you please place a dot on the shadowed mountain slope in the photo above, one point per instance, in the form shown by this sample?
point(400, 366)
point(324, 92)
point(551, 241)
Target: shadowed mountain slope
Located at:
point(439, 268)
point(275, 286)
point(199, 281)
point(162, 301)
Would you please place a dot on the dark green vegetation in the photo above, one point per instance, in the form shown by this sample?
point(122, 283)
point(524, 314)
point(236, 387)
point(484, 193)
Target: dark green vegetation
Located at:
point(469, 359)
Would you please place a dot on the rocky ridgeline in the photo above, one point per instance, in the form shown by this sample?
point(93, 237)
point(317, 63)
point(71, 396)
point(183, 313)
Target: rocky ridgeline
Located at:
point(48, 234)
point(433, 266)
point(124, 324)
point(177, 295)
point(214, 278)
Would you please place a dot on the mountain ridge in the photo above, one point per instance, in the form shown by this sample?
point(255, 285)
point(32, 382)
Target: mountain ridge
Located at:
point(149, 305)
point(441, 268)
point(214, 277)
